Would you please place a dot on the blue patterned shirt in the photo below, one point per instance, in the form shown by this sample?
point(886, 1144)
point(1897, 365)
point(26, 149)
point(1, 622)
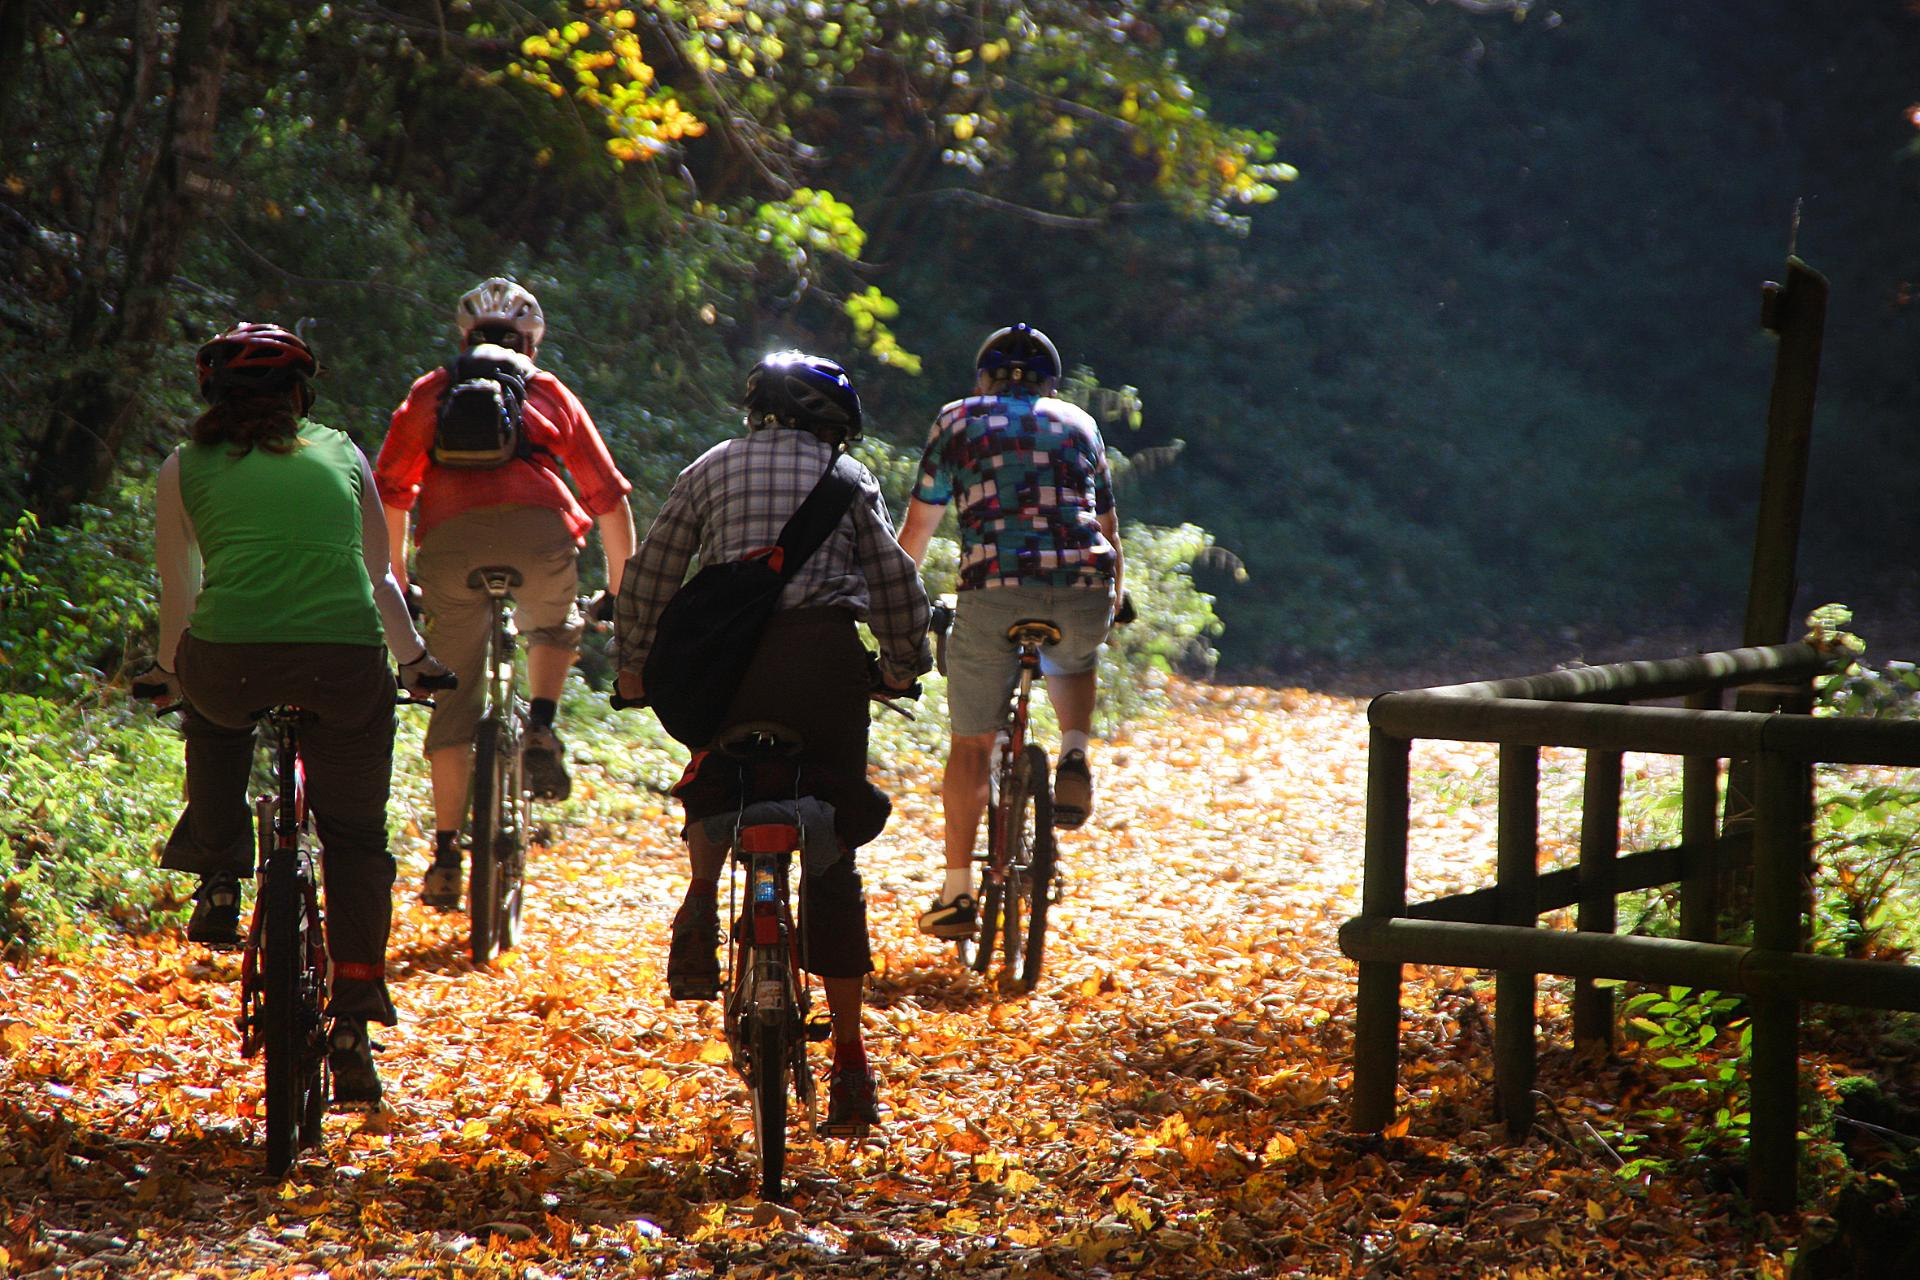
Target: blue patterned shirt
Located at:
point(1031, 479)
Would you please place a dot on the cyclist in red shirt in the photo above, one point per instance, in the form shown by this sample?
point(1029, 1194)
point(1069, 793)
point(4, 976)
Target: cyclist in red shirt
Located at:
point(520, 513)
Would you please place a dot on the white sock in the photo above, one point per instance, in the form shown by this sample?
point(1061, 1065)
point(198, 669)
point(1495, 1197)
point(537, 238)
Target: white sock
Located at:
point(1071, 741)
point(959, 881)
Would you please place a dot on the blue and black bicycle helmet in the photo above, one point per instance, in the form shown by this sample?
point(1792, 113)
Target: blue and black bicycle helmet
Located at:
point(1019, 353)
point(800, 390)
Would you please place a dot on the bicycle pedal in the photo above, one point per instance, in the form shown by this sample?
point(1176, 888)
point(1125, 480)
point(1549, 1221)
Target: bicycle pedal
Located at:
point(819, 1030)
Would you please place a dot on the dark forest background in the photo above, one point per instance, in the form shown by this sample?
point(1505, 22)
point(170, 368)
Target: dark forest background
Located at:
point(1441, 318)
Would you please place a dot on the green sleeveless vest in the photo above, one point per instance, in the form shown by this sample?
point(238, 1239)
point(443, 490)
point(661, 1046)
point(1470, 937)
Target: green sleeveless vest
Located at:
point(279, 536)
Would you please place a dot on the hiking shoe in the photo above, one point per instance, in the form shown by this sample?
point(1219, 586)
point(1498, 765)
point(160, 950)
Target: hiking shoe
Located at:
point(216, 912)
point(1072, 791)
point(441, 887)
point(852, 1103)
point(356, 1085)
point(955, 919)
point(544, 757)
point(693, 968)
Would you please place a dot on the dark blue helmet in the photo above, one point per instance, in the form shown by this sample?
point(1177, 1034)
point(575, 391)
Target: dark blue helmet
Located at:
point(799, 390)
point(1019, 352)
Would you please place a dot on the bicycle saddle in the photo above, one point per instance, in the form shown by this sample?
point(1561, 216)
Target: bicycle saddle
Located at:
point(1033, 631)
point(758, 740)
point(495, 579)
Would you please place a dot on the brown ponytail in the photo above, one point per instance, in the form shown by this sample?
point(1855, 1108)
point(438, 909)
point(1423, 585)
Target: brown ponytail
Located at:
point(246, 421)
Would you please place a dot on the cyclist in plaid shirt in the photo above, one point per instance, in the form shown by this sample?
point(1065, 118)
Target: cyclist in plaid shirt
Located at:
point(810, 671)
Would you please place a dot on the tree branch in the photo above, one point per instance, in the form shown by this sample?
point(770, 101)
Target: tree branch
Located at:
point(966, 195)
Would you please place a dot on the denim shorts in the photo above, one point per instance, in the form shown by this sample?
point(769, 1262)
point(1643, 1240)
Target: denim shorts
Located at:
point(982, 666)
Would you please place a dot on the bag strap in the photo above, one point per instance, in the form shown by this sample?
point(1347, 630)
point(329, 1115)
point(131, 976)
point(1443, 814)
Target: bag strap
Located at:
point(818, 516)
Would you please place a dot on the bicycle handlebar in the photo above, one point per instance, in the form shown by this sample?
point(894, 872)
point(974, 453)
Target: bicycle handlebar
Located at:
point(446, 681)
point(619, 703)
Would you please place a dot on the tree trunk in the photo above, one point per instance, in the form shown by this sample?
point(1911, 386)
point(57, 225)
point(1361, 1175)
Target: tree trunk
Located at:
point(112, 355)
point(13, 59)
point(89, 316)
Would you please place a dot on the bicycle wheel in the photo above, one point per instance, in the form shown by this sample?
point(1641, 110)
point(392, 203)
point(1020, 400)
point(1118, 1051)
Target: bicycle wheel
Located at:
point(768, 1081)
point(1020, 838)
point(281, 1031)
point(977, 952)
point(490, 775)
point(1040, 869)
point(510, 851)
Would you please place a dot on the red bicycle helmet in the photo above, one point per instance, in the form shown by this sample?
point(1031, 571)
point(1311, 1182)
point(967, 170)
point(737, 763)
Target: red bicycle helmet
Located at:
point(259, 358)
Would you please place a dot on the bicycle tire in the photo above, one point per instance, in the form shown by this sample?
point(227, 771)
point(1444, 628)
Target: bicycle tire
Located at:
point(1016, 854)
point(977, 952)
point(281, 1036)
point(510, 852)
point(1040, 874)
point(483, 886)
point(769, 1087)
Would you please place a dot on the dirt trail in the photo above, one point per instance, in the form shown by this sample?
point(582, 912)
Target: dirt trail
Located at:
point(1170, 1102)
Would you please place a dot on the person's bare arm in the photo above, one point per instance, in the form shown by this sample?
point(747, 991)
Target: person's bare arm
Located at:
point(916, 530)
point(616, 539)
point(1110, 529)
point(397, 545)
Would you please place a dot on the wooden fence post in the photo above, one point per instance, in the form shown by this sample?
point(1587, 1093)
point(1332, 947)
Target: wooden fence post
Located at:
point(1599, 847)
point(1376, 1033)
point(1516, 885)
point(1778, 853)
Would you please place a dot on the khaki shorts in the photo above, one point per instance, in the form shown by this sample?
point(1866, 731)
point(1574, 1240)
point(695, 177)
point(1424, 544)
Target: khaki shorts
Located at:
point(534, 540)
point(982, 667)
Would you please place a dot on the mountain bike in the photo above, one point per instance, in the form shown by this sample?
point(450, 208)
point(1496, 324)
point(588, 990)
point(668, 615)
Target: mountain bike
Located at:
point(501, 825)
point(502, 809)
point(767, 994)
point(766, 987)
point(1019, 880)
point(286, 971)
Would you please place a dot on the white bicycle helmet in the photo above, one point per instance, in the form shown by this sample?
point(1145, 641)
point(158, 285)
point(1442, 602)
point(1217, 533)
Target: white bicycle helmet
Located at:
point(503, 303)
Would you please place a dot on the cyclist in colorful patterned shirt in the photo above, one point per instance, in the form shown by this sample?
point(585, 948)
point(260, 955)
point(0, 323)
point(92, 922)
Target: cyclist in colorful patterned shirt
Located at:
point(1039, 538)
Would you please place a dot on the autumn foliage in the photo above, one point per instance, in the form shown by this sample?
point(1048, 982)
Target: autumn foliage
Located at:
point(1171, 1102)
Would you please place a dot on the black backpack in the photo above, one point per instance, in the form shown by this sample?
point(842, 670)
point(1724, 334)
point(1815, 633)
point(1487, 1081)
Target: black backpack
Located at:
point(480, 421)
point(709, 631)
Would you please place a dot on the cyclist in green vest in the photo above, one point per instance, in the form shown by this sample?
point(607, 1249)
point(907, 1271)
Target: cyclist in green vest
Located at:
point(274, 589)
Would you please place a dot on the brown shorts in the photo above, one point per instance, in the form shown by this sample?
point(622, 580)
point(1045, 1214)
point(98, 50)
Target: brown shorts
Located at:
point(533, 540)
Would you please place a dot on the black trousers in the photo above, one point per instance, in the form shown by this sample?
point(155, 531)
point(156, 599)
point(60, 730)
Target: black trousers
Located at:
point(810, 674)
point(347, 751)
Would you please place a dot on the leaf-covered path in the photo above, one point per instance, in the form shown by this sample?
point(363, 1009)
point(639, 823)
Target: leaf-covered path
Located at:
point(1171, 1102)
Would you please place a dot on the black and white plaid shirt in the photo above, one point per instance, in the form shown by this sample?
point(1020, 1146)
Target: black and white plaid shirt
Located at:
point(735, 498)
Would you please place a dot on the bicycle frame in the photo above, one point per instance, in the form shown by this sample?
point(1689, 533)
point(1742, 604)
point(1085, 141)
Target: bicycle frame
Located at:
point(497, 793)
point(1018, 881)
point(289, 806)
point(769, 997)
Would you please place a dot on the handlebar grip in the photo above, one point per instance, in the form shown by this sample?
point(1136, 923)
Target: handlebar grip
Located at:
point(602, 610)
point(619, 703)
point(1125, 612)
point(447, 681)
point(146, 690)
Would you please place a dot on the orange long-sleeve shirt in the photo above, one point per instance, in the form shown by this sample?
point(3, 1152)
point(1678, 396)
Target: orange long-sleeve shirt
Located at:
point(556, 424)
